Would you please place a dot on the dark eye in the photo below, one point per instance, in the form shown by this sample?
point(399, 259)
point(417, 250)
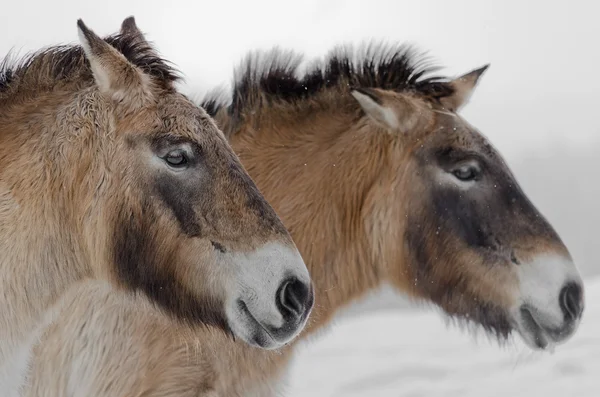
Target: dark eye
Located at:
point(466, 173)
point(176, 159)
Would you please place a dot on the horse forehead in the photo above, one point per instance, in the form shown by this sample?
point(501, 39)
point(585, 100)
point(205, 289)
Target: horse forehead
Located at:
point(459, 132)
point(181, 117)
point(171, 105)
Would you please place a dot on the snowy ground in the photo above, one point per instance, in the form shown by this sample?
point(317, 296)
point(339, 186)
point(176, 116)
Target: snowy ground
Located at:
point(414, 354)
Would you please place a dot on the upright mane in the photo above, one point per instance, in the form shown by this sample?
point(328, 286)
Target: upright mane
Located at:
point(64, 63)
point(264, 77)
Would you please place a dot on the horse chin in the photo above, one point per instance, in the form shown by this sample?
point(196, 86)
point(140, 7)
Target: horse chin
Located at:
point(489, 321)
point(530, 324)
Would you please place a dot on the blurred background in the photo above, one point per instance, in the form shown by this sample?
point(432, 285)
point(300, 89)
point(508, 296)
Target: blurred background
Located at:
point(537, 104)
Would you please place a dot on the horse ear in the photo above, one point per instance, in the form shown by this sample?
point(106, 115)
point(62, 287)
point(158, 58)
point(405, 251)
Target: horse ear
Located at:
point(463, 89)
point(373, 106)
point(401, 116)
point(129, 28)
point(115, 76)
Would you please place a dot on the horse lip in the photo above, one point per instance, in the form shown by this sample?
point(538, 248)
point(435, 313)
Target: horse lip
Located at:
point(543, 336)
point(531, 326)
point(257, 324)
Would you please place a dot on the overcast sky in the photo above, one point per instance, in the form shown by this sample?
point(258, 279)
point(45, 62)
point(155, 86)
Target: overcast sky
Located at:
point(544, 55)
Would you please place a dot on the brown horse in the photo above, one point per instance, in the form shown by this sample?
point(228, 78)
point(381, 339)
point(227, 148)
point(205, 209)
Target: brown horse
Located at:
point(380, 182)
point(108, 173)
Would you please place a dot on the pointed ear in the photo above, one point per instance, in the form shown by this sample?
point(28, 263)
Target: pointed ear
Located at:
point(129, 28)
point(463, 89)
point(115, 76)
point(373, 106)
point(399, 116)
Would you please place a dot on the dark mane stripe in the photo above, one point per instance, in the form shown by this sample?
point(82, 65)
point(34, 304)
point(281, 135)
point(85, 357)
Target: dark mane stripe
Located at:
point(62, 62)
point(275, 76)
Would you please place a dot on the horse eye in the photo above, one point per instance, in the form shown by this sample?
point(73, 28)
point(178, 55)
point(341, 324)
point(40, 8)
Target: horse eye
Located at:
point(466, 173)
point(176, 159)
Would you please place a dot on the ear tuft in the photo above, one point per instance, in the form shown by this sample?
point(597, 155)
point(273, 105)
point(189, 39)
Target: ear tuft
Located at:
point(130, 28)
point(128, 25)
point(373, 106)
point(365, 91)
point(463, 89)
point(86, 37)
point(115, 76)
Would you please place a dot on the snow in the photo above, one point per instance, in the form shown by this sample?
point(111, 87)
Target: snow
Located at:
point(415, 353)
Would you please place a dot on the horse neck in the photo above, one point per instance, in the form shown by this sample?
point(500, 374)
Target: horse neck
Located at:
point(318, 176)
point(41, 251)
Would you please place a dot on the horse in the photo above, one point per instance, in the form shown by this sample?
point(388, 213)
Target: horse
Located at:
point(382, 184)
point(109, 174)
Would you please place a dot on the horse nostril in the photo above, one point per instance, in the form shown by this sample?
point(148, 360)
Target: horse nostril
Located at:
point(571, 301)
point(293, 297)
point(218, 247)
point(514, 259)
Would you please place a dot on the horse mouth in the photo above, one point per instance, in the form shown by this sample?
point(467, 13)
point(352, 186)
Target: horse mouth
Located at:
point(538, 336)
point(261, 337)
point(534, 333)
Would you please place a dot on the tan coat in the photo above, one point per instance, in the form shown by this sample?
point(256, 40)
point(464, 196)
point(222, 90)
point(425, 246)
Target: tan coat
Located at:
point(380, 182)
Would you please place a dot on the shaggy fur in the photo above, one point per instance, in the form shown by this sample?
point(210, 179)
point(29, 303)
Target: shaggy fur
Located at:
point(46, 68)
point(358, 155)
point(109, 175)
point(267, 77)
point(364, 179)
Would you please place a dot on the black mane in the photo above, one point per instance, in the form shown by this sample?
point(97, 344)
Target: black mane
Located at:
point(59, 63)
point(275, 75)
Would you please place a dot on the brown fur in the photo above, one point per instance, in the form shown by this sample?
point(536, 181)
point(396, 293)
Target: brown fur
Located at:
point(355, 192)
point(365, 185)
point(89, 190)
point(109, 342)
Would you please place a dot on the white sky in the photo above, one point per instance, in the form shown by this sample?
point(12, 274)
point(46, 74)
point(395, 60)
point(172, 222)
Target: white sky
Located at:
point(544, 55)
